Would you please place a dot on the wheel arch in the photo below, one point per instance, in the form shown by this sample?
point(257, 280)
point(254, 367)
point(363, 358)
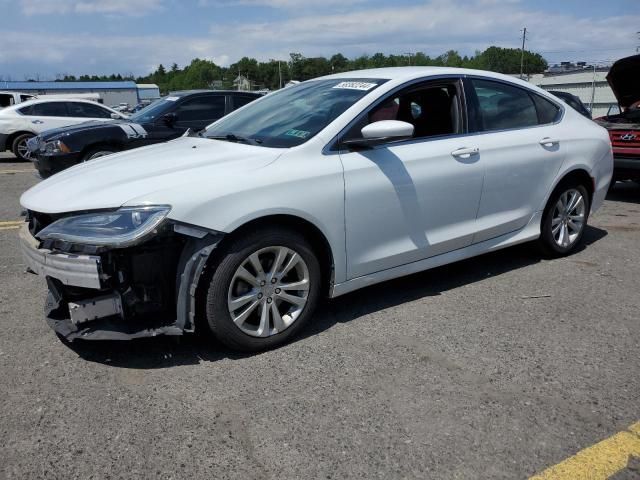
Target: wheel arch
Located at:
point(578, 175)
point(14, 135)
point(102, 144)
point(308, 229)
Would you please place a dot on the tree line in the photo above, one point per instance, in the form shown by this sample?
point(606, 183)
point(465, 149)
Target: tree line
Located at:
point(274, 73)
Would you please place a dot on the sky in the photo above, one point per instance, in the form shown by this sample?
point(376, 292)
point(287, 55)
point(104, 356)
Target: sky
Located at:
point(45, 38)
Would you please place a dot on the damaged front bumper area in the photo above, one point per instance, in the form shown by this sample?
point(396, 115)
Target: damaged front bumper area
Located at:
point(144, 290)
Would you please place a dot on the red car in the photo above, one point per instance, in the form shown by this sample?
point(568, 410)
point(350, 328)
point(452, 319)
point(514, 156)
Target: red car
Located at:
point(624, 128)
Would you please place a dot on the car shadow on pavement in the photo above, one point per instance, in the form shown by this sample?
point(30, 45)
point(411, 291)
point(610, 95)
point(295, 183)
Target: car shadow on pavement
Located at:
point(10, 158)
point(165, 352)
point(628, 192)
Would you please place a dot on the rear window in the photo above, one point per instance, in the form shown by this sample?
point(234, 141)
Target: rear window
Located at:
point(241, 101)
point(502, 106)
point(5, 100)
point(52, 109)
point(548, 112)
point(87, 110)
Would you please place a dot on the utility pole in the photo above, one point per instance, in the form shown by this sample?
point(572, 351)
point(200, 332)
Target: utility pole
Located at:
point(409, 54)
point(593, 88)
point(638, 47)
point(524, 39)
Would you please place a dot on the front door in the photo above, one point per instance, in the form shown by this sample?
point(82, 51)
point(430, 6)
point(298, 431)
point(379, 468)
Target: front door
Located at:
point(413, 199)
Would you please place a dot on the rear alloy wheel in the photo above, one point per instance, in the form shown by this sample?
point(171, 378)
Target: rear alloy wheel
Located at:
point(565, 220)
point(19, 147)
point(263, 290)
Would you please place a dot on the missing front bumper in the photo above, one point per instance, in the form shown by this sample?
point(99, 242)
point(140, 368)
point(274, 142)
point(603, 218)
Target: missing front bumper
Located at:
point(142, 291)
point(70, 269)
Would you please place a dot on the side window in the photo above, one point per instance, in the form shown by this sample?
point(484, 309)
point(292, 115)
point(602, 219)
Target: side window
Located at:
point(548, 112)
point(51, 109)
point(207, 108)
point(5, 100)
point(433, 110)
point(503, 107)
point(24, 98)
point(86, 110)
point(239, 101)
point(26, 110)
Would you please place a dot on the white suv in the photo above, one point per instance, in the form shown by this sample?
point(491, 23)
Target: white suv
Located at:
point(318, 189)
point(23, 121)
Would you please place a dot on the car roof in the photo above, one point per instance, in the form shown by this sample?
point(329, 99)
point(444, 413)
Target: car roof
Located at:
point(38, 101)
point(183, 93)
point(399, 75)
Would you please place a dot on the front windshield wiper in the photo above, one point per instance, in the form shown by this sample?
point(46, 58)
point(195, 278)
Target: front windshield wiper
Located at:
point(230, 137)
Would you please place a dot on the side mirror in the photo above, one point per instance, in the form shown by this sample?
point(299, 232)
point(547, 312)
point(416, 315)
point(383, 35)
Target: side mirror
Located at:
point(380, 132)
point(170, 118)
point(115, 116)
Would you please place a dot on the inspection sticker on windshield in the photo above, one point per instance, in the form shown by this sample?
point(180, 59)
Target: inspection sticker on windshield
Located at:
point(356, 85)
point(171, 99)
point(297, 133)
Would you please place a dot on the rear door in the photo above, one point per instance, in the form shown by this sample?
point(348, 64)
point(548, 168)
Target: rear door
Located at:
point(521, 151)
point(48, 115)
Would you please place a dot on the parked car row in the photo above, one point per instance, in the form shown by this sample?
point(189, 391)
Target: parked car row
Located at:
point(165, 119)
point(92, 129)
point(315, 190)
point(19, 123)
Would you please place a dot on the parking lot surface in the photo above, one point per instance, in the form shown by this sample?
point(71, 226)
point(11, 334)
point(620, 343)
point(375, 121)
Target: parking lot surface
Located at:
point(497, 367)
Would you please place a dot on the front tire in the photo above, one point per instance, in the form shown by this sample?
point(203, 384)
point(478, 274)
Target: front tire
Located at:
point(564, 220)
point(264, 290)
point(19, 147)
point(97, 153)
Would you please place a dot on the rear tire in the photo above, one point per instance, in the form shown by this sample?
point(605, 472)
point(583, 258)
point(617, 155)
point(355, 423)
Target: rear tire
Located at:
point(19, 147)
point(257, 308)
point(564, 220)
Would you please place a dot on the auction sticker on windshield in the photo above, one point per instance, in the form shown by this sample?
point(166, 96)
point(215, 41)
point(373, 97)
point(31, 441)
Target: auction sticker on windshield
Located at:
point(297, 133)
point(356, 85)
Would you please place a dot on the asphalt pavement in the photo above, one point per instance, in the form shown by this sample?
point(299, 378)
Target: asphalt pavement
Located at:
point(496, 367)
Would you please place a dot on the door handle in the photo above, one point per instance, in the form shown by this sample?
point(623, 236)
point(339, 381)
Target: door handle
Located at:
point(548, 142)
point(465, 152)
point(37, 122)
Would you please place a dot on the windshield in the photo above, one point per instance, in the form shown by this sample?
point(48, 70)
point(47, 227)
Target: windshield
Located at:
point(293, 115)
point(154, 110)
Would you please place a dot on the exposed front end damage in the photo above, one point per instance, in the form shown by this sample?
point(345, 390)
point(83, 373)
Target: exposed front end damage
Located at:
point(100, 293)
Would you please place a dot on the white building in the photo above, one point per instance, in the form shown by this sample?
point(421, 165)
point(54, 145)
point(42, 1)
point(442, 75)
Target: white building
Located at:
point(241, 83)
point(148, 92)
point(109, 93)
point(589, 85)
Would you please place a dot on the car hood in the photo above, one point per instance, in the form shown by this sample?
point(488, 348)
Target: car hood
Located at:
point(624, 79)
point(56, 133)
point(132, 176)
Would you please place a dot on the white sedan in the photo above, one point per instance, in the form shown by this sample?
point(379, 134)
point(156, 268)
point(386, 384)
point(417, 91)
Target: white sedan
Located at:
point(316, 190)
point(25, 120)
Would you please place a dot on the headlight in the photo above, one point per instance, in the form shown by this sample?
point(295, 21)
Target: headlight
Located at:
point(57, 146)
point(120, 228)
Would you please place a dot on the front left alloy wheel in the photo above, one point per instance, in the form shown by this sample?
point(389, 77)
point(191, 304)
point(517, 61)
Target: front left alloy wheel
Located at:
point(263, 290)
